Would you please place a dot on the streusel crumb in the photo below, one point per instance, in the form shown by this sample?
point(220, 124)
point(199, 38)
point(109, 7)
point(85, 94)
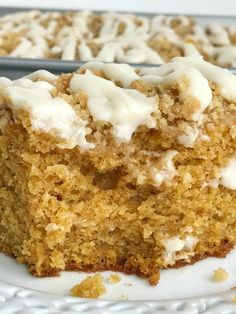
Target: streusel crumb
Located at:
point(90, 287)
point(220, 275)
point(114, 278)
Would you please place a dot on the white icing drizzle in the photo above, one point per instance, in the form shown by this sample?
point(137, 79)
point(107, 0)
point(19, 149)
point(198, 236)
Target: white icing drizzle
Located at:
point(167, 171)
point(200, 34)
point(198, 72)
point(198, 86)
point(228, 175)
point(125, 109)
point(69, 48)
point(172, 245)
point(138, 52)
point(165, 21)
point(41, 75)
point(223, 77)
point(190, 50)
point(51, 227)
point(190, 242)
point(225, 177)
point(225, 56)
point(218, 35)
point(189, 137)
point(48, 114)
point(23, 49)
point(161, 172)
point(116, 72)
point(124, 49)
point(175, 244)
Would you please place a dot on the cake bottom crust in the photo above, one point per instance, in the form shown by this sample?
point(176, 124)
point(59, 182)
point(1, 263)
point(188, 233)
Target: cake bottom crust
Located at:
point(151, 272)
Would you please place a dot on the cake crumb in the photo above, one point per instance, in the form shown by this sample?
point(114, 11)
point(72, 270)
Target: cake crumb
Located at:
point(234, 299)
point(220, 275)
point(90, 287)
point(114, 278)
point(154, 279)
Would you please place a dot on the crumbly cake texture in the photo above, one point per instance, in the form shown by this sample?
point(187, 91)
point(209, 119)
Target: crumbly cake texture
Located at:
point(113, 37)
point(109, 168)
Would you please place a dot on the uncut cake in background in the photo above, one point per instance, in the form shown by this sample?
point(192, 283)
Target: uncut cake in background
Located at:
point(109, 168)
point(110, 37)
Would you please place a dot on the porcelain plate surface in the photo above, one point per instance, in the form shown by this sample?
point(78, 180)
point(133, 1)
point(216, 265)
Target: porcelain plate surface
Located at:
point(188, 290)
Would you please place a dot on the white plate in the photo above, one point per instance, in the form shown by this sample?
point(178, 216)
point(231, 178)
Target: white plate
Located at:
point(189, 290)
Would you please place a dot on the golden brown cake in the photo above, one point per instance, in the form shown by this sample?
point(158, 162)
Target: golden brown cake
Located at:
point(110, 37)
point(109, 168)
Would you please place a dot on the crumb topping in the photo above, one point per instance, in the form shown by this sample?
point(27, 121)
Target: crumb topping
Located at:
point(113, 94)
point(197, 86)
point(125, 109)
point(48, 114)
point(109, 105)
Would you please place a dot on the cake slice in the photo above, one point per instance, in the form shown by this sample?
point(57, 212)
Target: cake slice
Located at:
point(109, 168)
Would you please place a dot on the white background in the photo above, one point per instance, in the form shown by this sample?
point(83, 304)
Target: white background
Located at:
point(206, 7)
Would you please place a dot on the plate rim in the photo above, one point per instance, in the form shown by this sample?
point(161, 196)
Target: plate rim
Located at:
point(16, 299)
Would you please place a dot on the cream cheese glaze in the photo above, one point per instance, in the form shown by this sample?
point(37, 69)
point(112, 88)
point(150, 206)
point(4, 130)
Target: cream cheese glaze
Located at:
point(167, 171)
point(189, 137)
point(223, 77)
point(41, 75)
point(188, 67)
point(49, 114)
point(122, 73)
point(228, 175)
point(175, 245)
point(125, 109)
